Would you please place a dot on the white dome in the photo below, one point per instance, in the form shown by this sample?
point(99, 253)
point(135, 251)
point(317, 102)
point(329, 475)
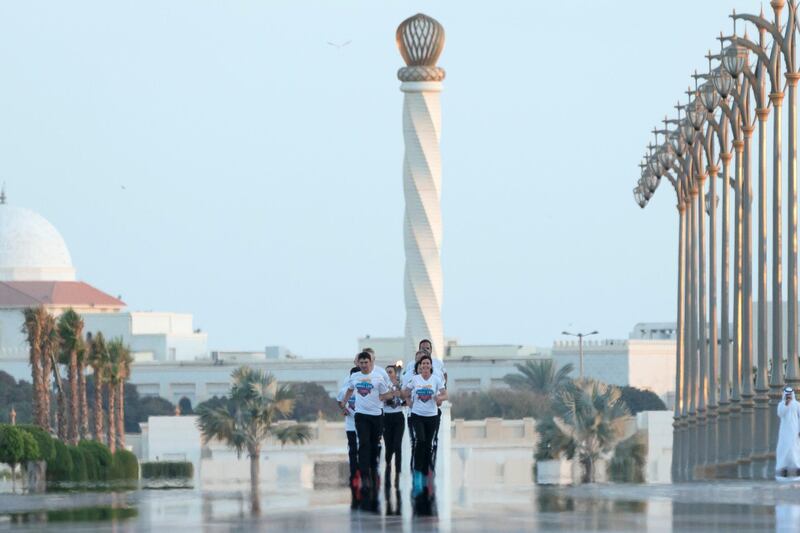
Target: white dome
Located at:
point(31, 249)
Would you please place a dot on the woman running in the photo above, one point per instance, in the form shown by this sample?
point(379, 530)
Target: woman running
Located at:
point(393, 428)
point(426, 392)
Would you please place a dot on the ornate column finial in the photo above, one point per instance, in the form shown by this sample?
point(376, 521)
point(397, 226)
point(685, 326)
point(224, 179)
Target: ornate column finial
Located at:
point(420, 40)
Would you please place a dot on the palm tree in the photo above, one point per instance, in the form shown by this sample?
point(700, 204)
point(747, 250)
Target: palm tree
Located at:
point(83, 407)
point(592, 415)
point(540, 377)
point(70, 329)
point(256, 404)
point(111, 387)
point(32, 327)
point(123, 361)
point(98, 360)
point(51, 345)
point(117, 371)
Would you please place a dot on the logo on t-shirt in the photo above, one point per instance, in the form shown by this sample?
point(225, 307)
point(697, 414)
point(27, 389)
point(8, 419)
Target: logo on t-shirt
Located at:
point(351, 402)
point(364, 387)
point(424, 392)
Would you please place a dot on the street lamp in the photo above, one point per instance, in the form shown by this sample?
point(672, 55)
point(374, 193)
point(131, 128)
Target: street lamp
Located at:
point(580, 346)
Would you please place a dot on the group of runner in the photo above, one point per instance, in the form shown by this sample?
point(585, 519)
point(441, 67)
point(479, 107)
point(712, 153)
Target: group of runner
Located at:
point(374, 401)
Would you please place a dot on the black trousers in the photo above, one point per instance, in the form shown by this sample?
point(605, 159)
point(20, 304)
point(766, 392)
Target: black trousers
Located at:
point(369, 429)
point(394, 425)
point(424, 430)
point(352, 454)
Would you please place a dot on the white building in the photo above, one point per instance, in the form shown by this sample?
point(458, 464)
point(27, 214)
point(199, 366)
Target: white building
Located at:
point(171, 358)
point(640, 363)
point(36, 269)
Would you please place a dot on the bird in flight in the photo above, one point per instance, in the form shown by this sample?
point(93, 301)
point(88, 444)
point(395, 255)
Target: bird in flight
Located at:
point(342, 45)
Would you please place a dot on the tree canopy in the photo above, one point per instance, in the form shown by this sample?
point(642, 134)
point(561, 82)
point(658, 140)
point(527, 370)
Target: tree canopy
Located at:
point(540, 377)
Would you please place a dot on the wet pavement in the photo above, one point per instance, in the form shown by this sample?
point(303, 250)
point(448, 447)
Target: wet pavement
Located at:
point(723, 506)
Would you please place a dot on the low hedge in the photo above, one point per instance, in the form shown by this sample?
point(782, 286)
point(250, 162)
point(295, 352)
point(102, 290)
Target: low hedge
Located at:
point(46, 443)
point(124, 466)
point(167, 469)
point(91, 461)
point(60, 468)
point(79, 472)
point(98, 460)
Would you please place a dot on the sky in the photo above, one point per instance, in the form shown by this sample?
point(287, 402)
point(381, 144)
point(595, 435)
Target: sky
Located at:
point(223, 159)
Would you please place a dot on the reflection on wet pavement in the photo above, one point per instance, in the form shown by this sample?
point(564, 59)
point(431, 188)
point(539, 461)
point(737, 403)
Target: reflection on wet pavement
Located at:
point(731, 506)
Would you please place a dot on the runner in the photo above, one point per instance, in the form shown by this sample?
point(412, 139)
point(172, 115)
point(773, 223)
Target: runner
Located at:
point(425, 392)
point(378, 369)
point(394, 426)
point(438, 365)
point(370, 391)
point(352, 441)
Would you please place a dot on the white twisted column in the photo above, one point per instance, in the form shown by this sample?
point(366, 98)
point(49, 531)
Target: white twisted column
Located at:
point(422, 182)
point(420, 40)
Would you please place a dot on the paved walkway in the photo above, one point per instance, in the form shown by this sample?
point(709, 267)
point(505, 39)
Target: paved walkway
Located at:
point(724, 506)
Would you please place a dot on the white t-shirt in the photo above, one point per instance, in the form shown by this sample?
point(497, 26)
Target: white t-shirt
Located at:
point(367, 389)
point(349, 419)
point(423, 394)
point(395, 405)
point(437, 370)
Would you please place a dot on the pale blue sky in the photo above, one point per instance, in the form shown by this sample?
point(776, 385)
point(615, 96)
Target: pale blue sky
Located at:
point(263, 167)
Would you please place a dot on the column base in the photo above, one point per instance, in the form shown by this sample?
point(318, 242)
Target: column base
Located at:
point(758, 467)
point(744, 468)
point(704, 472)
point(727, 471)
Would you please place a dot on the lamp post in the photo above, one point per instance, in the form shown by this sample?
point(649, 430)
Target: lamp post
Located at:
point(758, 84)
point(735, 60)
point(714, 94)
point(667, 157)
point(580, 346)
point(730, 385)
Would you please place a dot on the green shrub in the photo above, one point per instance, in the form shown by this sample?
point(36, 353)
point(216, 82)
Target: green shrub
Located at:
point(11, 446)
point(60, 467)
point(92, 514)
point(167, 469)
point(641, 400)
point(98, 460)
point(500, 403)
point(46, 443)
point(92, 465)
point(31, 452)
point(78, 472)
point(628, 462)
point(124, 466)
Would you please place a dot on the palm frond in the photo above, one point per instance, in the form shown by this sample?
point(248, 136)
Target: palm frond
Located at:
point(293, 433)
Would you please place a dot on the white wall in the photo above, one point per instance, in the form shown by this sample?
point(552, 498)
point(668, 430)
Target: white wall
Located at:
point(13, 343)
point(152, 336)
point(651, 366)
point(172, 438)
point(657, 429)
point(642, 363)
point(486, 453)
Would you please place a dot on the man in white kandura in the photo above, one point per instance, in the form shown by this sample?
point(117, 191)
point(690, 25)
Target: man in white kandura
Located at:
point(787, 456)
